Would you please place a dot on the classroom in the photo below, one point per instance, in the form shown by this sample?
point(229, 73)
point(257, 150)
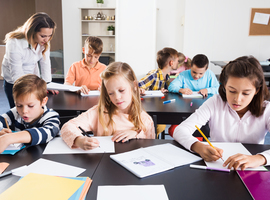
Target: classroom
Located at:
point(170, 165)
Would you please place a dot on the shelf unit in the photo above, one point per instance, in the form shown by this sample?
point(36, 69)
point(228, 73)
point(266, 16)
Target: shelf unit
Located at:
point(98, 28)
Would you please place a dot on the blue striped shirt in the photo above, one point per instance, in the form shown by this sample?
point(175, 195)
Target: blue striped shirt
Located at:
point(42, 130)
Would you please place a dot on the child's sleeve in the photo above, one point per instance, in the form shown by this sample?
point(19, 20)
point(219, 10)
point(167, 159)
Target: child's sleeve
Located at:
point(176, 84)
point(8, 116)
point(213, 84)
point(70, 78)
point(147, 81)
point(149, 132)
point(87, 121)
point(47, 131)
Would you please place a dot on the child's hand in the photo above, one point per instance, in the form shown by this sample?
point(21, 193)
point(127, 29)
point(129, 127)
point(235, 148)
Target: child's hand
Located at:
point(4, 142)
point(204, 92)
point(5, 131)
point(164, 90)
point(142, 91)
point(207, 152)
point(84, 89)
point(244, 161)
point(99, 88)
point(124, 135)
point(53, 91)
point(185, 91)
point(86, 143)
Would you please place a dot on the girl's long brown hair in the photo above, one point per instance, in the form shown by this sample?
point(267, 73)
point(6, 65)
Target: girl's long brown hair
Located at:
point(106, 107)
point(31, 27)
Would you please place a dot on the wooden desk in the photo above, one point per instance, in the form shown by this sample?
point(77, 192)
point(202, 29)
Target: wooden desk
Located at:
point(180, 183)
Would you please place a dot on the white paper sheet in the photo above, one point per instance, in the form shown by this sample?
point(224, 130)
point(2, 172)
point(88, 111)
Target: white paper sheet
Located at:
point(58, 146)
point(91, 93)
point(132, 192)
point(193, 95)
point(152, 93)
point(261, 18)
point(59, 86)
point(48, 167)
point(15, 146)
point(230, 149)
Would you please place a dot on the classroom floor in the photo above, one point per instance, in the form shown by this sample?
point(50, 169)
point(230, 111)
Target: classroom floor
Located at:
point(4, 107)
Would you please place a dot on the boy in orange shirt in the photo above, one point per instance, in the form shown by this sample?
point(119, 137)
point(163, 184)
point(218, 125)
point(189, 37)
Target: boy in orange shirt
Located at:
point(86, 73)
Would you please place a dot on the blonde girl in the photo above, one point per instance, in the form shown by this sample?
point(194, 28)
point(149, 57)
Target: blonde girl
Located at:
point(27, 46)
point(119, 112)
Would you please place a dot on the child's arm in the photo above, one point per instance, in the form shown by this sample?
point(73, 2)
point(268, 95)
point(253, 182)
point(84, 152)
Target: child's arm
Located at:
point(213, 83)
point(70, 78)
point(86, 143)
point(46, 129)
point(177, 86)
point(17, 137)
point(146, 82)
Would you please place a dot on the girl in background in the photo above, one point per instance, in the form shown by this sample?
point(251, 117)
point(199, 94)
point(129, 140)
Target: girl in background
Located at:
point(118, 113)
point(26, 48)
point(184, 64)
point(240, 113)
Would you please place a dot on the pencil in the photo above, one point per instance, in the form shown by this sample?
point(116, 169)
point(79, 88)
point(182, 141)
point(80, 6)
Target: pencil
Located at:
point(6, 123)
point(207, 140)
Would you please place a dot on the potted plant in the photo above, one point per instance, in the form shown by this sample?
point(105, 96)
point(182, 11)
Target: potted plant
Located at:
point(110, 29)
point(99, 3)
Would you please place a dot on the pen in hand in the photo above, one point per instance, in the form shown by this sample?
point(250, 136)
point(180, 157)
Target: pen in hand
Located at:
point(84, 133)
point(207, 140)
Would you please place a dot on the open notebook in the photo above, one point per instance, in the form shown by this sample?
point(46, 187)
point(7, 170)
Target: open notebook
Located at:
point(193, 95)
point(155, 159)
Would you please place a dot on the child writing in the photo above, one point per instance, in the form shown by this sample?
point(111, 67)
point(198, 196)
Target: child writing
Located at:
point(119, 112)
point(184, 64)
point(34, 123)
point(28, 52)
point(241, 103)
point(198, 78)
point(86, 73)
point(159, 79)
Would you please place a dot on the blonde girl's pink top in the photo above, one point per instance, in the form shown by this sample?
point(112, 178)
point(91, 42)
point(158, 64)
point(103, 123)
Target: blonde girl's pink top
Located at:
point(89, 121)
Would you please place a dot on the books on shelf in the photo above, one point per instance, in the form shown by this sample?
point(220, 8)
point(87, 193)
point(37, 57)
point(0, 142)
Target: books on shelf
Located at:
point(154, 159)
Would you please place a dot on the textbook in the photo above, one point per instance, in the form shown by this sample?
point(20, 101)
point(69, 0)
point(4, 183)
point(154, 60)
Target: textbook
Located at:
point(257, 183)
point(193, 95)
point(40, 186)
point(151, 160)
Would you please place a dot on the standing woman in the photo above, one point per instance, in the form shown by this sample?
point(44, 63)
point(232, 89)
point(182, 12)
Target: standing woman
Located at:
point(28, 52)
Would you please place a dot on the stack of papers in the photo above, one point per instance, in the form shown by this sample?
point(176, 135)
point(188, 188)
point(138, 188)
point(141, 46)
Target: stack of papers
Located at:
point(193, 95)
point(59, 86)
point(91, 93)
point(13, 148)
point(155, 159)
point(152, 93)
point(40, 186)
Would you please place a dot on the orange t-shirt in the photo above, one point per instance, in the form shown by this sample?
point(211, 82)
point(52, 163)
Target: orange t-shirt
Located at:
point(81, 75)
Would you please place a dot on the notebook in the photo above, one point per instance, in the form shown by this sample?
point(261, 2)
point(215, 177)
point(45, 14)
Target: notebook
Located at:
point(193, 95)
point(13, 148)
point(147, 161)
point(257, 183)
point(152, 93)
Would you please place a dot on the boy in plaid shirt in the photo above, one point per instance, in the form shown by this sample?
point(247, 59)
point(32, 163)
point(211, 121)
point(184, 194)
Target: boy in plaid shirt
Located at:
point(159, 79)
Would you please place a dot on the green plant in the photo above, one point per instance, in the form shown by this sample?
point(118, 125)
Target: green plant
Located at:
point(100, 1)
point(110, 28)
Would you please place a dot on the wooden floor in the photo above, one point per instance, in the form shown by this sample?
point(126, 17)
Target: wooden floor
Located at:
point(4, 107)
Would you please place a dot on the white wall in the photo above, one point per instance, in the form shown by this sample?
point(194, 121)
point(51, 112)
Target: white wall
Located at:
point(169, 32)
point(219, 29)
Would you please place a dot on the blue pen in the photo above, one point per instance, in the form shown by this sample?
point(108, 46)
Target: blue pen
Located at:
point(169, 101)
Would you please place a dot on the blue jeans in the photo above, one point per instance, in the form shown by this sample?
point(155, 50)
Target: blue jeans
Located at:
point(8, 90)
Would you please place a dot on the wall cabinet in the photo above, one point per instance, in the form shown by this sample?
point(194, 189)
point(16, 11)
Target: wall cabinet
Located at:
point(94, 22)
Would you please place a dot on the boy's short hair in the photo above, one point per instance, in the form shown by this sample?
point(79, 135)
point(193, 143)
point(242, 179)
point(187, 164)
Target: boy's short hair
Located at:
point(28, 84)
point(94, 43)
point(165, 55)
point(200, 60)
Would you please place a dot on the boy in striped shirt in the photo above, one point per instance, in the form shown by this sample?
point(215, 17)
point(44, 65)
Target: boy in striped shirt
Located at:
point(31, 120)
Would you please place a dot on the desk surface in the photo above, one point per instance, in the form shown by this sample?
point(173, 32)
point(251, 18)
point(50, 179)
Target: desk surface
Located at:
point(181, 182)
point(68, 103)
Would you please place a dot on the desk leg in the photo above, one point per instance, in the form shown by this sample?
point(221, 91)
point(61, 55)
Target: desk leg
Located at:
point(155, 124)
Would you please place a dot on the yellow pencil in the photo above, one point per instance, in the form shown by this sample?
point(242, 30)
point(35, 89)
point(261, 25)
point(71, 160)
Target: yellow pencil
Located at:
point(207, 140)
point(6, 123)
